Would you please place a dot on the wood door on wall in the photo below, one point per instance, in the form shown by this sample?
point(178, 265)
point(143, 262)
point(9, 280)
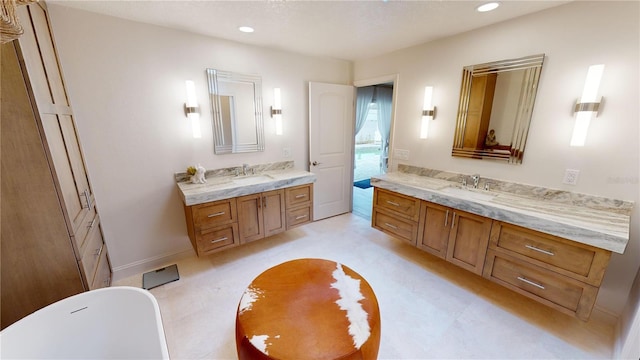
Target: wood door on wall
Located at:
point(331, 123)
point(479, 111)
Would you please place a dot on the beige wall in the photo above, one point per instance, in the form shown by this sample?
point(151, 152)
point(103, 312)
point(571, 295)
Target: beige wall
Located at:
point(126, 82)
point(573, 37)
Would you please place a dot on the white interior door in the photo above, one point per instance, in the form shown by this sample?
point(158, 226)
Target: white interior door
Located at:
point(331, 147)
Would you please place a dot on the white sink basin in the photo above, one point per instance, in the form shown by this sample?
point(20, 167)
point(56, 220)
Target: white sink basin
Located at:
point(469, 194)
point(251, 179)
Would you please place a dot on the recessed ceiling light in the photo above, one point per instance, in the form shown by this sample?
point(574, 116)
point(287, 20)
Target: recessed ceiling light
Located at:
point(246, 29)
point(488, 7)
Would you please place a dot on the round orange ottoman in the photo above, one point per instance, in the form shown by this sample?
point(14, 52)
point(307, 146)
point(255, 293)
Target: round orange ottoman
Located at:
point(308, 309)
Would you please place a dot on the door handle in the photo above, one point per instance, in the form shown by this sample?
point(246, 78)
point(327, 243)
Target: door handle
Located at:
point(315, 163)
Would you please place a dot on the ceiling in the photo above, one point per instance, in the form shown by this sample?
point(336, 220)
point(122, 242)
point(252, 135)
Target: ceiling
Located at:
point(349, 30)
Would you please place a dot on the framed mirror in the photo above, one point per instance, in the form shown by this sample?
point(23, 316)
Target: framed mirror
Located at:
point(236, 102)
point(496, 104)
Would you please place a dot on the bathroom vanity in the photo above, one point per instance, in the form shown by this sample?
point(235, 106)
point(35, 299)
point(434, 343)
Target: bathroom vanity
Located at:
point(549, 245)
point(240, 205)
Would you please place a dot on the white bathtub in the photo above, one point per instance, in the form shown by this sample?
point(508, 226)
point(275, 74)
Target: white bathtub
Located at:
point(118, 322)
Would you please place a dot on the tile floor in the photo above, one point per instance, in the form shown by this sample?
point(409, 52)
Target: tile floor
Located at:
point(429, 308)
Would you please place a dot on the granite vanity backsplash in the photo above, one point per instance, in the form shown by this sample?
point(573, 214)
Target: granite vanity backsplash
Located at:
point(535, 192)
point(231, 171)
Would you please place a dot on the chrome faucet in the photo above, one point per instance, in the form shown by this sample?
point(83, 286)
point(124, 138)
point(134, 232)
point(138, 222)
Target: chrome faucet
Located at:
point(244, 169)
point(476, 180)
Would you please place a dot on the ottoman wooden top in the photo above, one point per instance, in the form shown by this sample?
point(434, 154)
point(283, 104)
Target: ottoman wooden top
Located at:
point(309, 309)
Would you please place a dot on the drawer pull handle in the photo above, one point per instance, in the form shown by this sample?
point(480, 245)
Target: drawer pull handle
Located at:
point(453, 220)
point(87, 197)
point(391, 226)
point(446, 218)
point(392, 203)
point(301, 217)
point(221, 239)
point(530, 282)
point(539, 250)
point(98, 252)
point(300, 196)
point(93, 222)
point(216, 214)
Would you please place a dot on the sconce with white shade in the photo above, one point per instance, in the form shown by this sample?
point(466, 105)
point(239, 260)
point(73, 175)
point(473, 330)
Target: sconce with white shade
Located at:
point(191, 109)
point(428, 112)
point(276, 110)
point(587, 107)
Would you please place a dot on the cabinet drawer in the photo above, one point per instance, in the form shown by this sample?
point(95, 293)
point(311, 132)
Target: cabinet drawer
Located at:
point(82, 231)
point(299, 195)
point(404, 205)
point(404, 229)
point(214, 213)
point(559, 291)
point(211, 240)
point(102, 277)
point(91, 255)
point(298, 216)
point(580, 261)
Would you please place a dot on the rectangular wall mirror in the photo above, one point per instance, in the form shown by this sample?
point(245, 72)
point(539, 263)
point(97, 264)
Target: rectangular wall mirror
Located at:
point(236, 103)
point(496, 104)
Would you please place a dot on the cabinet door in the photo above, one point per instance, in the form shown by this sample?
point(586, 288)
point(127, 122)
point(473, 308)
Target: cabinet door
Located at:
point(437, 224)
point(468, 241)
point(42, 65)
point(273, 212)
point(250, 221)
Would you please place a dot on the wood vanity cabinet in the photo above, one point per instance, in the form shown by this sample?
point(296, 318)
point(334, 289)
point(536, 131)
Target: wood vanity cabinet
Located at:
point(212, 226)
point(560, 273)
point(457, 236)
point(223, 224)
point(261, 215)
point(299, 205)
point(52, 241)
point(396, 214)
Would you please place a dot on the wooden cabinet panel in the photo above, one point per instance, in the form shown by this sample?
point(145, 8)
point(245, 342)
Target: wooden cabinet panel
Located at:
point(299, 205)
point(299, 216)
point(102, 277)
point(91, 254)
point(468, 241)
point(273, 212)
point(215, 239)
point(401, 205)
point(583, 262)
point(260, 215)
point(299, 195)
point(402, 228)
point(558, 291)
point(436, 229)
point(214, 213)
point(479, 110)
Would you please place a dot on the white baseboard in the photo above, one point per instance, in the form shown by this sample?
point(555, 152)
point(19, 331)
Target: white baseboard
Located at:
point(142, 266)
point(605, 315)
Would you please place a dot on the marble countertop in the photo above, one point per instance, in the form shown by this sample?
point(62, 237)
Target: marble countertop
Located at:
point(230, 186)
point(603, 223)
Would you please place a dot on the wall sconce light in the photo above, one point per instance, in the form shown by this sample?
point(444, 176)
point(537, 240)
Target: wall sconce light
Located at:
point(587, 107)
point(191, 109)
point(276, 110)
point(428, 112)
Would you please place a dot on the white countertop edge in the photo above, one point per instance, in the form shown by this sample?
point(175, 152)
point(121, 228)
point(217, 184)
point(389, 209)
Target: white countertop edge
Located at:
point(597, 237)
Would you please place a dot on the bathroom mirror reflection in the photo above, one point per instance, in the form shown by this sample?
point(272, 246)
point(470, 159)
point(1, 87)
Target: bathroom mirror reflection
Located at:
point(496, 104)
point(236, 102)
